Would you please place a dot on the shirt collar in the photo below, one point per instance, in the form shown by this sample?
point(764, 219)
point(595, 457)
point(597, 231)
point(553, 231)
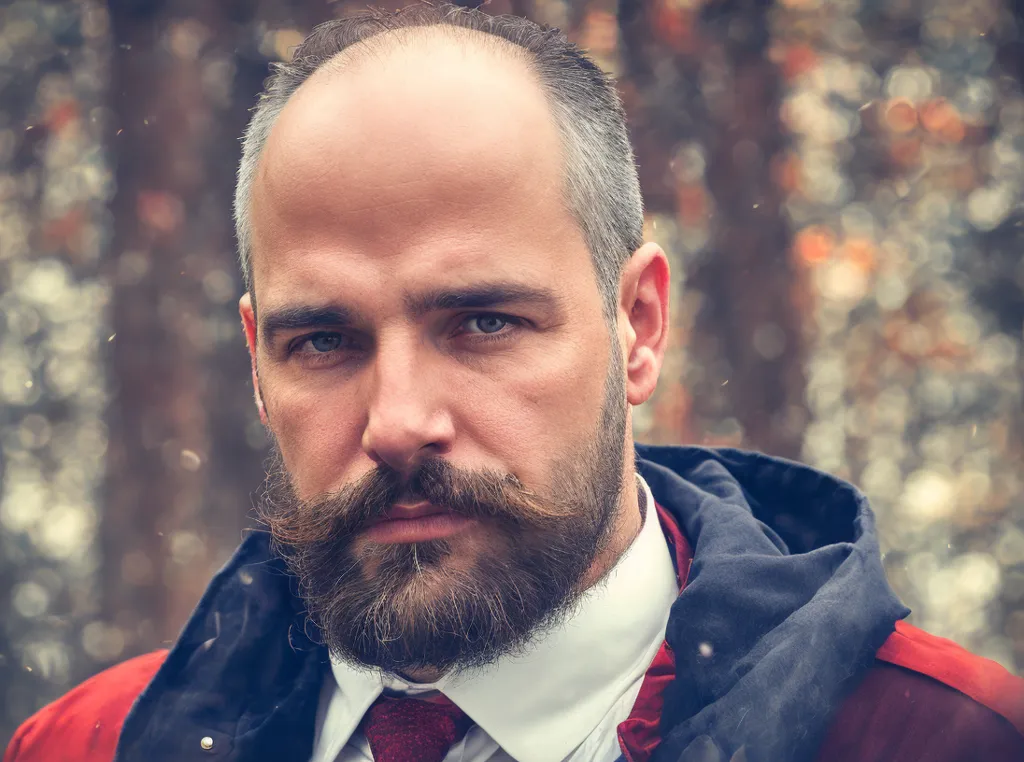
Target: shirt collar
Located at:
point(540, 705)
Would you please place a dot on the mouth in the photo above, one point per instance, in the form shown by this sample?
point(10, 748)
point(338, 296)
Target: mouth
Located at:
point(418, 522)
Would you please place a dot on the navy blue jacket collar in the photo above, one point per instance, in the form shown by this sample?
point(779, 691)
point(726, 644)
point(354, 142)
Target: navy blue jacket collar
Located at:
point(785, 606)
point(784, 609)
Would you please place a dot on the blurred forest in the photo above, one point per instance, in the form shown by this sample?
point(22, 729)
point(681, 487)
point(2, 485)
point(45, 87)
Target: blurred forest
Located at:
point(838, 183)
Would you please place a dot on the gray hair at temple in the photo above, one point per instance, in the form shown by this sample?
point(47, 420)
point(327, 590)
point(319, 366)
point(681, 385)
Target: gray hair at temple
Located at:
point(602, 191)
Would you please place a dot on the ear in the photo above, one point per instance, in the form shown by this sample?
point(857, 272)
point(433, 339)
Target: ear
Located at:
point(644, 319)
point(249, 327)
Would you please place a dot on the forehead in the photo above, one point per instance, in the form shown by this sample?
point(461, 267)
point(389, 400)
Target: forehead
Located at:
point(435, 147)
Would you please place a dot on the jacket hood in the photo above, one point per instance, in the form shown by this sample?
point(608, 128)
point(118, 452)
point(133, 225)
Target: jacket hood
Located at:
point(785, 605)
point(784, 609)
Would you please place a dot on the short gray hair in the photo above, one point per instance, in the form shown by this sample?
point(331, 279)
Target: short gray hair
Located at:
point(602, 191)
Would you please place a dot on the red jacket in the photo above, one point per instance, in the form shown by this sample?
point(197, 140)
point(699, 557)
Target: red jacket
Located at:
point(924, 699)
point(957, 706)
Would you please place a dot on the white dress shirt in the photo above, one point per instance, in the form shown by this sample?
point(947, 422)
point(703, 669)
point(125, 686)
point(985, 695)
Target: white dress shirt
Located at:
point(562, 700)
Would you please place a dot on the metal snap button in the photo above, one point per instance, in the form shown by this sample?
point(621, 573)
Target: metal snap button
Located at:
point(206, 743)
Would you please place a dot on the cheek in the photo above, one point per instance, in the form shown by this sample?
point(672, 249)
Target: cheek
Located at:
point(319, 436)
point(538, 409)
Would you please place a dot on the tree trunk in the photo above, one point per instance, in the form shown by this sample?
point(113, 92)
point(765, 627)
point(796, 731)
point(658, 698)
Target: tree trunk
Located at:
point(705, 80)
point(186, 448)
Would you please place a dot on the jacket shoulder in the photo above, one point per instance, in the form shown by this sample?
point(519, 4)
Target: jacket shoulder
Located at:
point(83, 725)
point(927, 698)
point(983, 680)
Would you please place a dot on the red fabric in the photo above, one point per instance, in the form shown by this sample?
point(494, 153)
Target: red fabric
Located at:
point(413, 730)
point(925, 700)
point(985, 681)
point(895, 715)
point(83, 725)
point(639, 734)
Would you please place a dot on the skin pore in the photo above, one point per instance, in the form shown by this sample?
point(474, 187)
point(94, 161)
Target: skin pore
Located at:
point(423, 293)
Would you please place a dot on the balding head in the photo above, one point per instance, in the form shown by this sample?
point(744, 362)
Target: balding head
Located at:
point(374, 50)
point(452, 117)
point(599, 185)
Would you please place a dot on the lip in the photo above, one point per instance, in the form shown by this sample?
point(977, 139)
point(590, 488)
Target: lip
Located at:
point(399, 511)
point(415, 523)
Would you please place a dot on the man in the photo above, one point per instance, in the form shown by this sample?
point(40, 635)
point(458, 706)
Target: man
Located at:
point(450, 314)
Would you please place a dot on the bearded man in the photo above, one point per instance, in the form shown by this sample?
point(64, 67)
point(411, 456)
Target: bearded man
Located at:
point(451, 313)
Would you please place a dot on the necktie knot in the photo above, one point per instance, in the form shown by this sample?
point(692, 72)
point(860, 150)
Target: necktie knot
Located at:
point(413, 730)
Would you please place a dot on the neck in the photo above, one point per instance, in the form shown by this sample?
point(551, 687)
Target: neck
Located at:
point(422, 676)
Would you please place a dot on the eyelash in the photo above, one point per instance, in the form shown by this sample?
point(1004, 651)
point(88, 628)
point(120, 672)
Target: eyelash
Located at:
point(295, 348)
point(513, 323)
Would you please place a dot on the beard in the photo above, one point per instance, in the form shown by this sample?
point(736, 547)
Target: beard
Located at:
point(437, 604)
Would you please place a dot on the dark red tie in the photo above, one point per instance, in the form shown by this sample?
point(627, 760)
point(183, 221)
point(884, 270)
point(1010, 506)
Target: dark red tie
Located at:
point(413, 730)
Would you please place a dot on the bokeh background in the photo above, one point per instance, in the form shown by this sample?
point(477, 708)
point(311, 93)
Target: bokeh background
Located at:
point(838, 184)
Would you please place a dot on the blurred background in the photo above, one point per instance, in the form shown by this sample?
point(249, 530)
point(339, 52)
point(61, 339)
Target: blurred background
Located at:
point(837, 182)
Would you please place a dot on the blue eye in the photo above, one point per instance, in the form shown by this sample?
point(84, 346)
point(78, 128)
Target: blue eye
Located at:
point(325, 342)
point(489, 323)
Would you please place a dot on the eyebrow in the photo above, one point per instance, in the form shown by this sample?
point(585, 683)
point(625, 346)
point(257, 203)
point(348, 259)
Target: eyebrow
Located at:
point(483, 296)
point(302, 318)
point(487, 295)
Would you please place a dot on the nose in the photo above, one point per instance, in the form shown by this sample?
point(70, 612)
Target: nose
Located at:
point(407, 419)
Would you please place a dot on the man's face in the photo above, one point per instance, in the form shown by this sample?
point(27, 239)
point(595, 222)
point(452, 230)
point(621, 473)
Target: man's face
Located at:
point(445, 395)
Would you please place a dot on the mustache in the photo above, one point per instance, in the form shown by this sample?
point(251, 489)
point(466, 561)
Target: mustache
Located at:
point(481, 494)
